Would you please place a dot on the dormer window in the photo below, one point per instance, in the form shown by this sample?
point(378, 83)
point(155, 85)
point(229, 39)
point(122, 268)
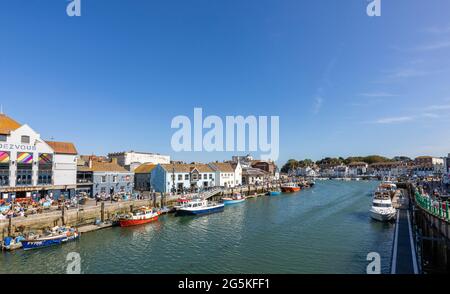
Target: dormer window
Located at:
point(25, 139)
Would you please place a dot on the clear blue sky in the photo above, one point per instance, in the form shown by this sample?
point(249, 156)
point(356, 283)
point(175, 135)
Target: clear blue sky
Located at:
point(342, 83)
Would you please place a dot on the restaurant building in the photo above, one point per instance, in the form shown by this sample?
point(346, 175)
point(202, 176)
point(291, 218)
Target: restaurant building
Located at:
point(31, 167)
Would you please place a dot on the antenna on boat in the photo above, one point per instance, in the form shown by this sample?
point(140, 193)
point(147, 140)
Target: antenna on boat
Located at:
point(1, 108)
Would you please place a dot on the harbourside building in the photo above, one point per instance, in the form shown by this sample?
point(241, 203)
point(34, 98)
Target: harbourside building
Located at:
point(227, 174)
point(269, 167)
point(31, 167)
point(306, 172)
point(341, 171)
point(182, 178)
point(389, 169)
point(254, 176)
point(99, 177)
point(130, 160)
point(428, 166)
point(142, 177)
point(356, 169)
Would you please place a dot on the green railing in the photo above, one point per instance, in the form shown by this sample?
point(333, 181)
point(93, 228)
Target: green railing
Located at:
point(437, 208)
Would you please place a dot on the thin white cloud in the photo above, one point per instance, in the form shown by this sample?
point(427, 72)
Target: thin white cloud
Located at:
point(405, 73)
point(438, 107)
point(392, 120)
point(437, 30)
point(431, 115)
point(378, 94)
point(433, 46)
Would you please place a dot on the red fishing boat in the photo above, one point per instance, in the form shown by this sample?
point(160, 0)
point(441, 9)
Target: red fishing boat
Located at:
point(140, 216)
point(290, 187)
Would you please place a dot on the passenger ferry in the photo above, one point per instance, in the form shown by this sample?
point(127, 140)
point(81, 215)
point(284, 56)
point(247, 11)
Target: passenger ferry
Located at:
point(199, 206)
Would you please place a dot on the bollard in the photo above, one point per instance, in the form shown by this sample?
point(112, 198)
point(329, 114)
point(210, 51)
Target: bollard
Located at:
point(63, 208)
point(102, 211)
point(10, 226)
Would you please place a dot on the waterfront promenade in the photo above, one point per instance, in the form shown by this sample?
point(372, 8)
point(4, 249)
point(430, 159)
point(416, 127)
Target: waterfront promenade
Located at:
point(326, 229)
point(87, 214)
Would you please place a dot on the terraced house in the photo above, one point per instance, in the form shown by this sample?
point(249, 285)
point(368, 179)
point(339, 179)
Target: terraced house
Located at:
point(227, 174)
point(31, 167)
point(180, 178)
point(103, 177)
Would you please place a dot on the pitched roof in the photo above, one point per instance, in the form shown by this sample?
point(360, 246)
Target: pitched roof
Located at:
point(222, 167)
point(187, 168)
point(145, 168)
point(63, 147)
point(7, 124)
point(102, 166)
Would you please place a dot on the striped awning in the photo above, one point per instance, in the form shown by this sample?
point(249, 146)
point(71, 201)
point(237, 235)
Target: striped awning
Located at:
point(4, 157)
point(45, 158)
point(25, 157)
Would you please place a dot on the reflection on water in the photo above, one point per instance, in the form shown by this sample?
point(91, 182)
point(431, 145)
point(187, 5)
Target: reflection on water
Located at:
point(326, 229)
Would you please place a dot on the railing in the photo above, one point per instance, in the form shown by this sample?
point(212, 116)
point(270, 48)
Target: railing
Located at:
point(211, 193)
point(437, 208)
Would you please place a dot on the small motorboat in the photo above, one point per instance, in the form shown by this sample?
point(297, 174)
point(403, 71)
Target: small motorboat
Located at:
point(57, 236)
point(236, 198)
point(140, 216)
point(290, 187)
point(198, 206)
point(275, 193)
point(10, 243)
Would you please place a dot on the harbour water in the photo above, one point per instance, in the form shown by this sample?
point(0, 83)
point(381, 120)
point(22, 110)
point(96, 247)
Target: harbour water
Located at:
point(326, 229)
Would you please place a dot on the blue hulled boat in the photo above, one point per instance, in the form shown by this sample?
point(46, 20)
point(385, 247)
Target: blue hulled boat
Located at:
point(199, 207)
point(56, 237)
point(237, 198)
point(274, 193)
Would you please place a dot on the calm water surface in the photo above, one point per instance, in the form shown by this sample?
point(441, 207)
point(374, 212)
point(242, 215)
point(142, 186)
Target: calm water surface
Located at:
point(326, 229)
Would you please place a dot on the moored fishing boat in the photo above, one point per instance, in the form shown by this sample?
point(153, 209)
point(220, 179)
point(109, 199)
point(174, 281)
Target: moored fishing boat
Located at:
point(290, 187)
point(236, 198)
point(274, 193)
point(199, 206)
point(57, 236)
point(140, 216)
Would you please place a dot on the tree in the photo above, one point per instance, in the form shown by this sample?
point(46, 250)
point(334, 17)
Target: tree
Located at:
point(289, 165)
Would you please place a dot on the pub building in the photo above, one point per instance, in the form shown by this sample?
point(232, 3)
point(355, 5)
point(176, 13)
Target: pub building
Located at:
point(31, 167)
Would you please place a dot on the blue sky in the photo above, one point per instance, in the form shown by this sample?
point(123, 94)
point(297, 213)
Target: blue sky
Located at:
point(342, 83)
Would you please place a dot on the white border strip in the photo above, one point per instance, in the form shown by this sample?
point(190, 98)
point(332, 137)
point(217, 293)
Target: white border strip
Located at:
point(413, 248)
point(394, 252)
